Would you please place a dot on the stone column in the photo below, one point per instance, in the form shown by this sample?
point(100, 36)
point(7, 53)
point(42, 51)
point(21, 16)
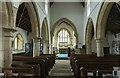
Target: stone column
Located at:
point(55, 42)
point(89, 48)
point(46, 47)
point(36, 47)
point(71, 42)
point(6, 39)
point(76, 35)
point(99, 43)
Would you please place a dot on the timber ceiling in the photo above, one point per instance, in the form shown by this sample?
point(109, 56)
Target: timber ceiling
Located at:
point(113, 22)
point(23, 19)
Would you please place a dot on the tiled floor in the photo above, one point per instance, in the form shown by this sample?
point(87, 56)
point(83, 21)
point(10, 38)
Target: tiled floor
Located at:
point(61, 70)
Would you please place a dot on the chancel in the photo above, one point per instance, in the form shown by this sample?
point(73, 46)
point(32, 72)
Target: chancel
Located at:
point(59, 39)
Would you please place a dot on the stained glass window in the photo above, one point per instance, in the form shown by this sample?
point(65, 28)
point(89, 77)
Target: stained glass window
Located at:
point(63, 37)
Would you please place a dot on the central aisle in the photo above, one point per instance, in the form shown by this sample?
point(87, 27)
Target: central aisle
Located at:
point(62, 69)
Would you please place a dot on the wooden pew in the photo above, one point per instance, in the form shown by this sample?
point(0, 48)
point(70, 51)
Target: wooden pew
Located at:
point(18, 72)
point(51, 56)
point(94, 63)
point(93, 66)
point(33, 61)
point(74, 57)
point(45, 61)
point(51, 59)
point(2, 75)
point(35, 67)
point(22, 54)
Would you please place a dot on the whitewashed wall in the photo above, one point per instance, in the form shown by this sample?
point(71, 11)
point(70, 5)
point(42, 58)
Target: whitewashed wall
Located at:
point(110, 38)
point(95, 7)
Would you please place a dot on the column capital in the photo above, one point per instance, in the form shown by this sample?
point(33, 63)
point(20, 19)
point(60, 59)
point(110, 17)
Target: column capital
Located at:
point(9, 29)
point(37, 39)
point(99, 40)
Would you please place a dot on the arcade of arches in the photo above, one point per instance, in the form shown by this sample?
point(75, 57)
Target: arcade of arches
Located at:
point(37, 28)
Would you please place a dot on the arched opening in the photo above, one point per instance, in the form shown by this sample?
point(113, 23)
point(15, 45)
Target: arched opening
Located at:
point(44, 37)
point(64, 36)
point(18, 42)
point(102, 19)
point(112, 33)
point(108, 28)
point(27, 22)
point(89, 37)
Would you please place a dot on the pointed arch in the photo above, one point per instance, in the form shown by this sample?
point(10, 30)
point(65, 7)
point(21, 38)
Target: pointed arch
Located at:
point(67, 21)
point(45, 36)
point(102, 19)
point(65, 29)
point(33, 14)
point(45, 26)
point(101, 27)
point(32, 10)
point(18, 42)
point(7, 15)
point(89, 35)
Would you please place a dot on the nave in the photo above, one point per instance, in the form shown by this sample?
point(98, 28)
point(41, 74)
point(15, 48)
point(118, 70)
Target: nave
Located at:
point(33, 33)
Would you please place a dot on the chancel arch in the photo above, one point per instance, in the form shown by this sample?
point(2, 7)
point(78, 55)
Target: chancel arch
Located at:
point(89, 37)
point(44, 37)
point(68, 29)
point(107, 22)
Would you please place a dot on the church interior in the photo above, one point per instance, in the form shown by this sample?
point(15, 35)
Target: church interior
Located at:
point(59, 39)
